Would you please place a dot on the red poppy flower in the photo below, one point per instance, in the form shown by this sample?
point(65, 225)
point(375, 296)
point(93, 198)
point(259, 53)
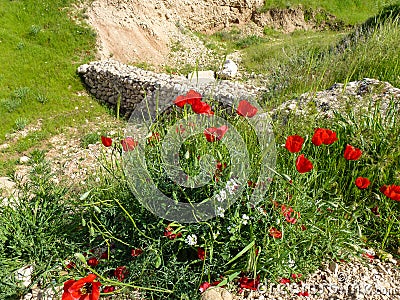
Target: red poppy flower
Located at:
point(204, 286)
point(190, 97)
point(70, 265)
point(391, 191)
point(220, 166)
point(213, 134)
point(290, 219)
point(303, 227)
point(296, 276)
point(284, 280)
point(304, 294)
point(245, 109)
point(362, 182)
point(275, 233)
point(294, 143)
point(286, 210)
point(93, 262)
point(248, 283)
point(200, 107)
point(369, 256)
point(168, 232)
point(374, 210)
point(109, 289)
point(136, 252)
point(121, 272)
point(106, 141)
point(303, 165)
point(201, 253)
point(83, 289)
point(104, 255)
point(323, 136)
point(128, 144)
point(352, 153)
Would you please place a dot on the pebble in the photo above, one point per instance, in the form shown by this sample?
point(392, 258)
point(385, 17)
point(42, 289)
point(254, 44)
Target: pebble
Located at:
point(24, 159)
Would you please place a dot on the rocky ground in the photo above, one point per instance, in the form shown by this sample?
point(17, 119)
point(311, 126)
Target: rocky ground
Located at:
point(160, 33)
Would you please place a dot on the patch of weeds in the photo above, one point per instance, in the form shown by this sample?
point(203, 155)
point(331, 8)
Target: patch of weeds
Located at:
point(88, 139)
point(16, 98)
point(11, 104)
point(40, 229)
point(37, 156)
point(21, 92)
point(34, 30)
point(268, 31)
point(20, 123)
point(249, 41)
point(20, 46)
point(143, 65)
point(177, 46)
point(41, 98)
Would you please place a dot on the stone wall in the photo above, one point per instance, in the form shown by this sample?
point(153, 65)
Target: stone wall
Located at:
point(107, 79)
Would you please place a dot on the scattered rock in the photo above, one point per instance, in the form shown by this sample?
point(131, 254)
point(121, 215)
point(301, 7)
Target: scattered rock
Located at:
point(4, 146)
point(24, 274)
point(356, 96)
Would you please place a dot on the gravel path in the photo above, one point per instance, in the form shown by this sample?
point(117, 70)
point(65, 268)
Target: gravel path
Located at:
point(358, 279)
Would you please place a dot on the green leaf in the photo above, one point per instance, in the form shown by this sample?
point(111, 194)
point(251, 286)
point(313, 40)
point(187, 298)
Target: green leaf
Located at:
point(245, 249)
point(229, 279)
point(85, 195)
point(158, 262)
point(80, 257)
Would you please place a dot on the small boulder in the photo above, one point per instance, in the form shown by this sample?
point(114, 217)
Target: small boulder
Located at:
point(216, 293)
point(7, 186)
point(201, 76)
point(229, 70)
point(24, 159)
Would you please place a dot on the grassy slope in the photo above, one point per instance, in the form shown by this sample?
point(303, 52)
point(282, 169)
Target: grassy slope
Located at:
point(350, 11)
point(40, 50)
point(306, 61)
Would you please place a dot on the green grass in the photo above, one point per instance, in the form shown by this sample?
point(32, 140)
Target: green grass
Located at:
point(350, 11)
point(41, 48)
point(314, 61)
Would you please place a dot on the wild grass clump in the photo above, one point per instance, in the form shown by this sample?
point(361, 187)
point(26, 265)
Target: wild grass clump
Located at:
point(39, 229)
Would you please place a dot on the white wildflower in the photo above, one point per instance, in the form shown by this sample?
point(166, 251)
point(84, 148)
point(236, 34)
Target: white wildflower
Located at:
point(220, 212)
point(261, 210)
point(245, 219)
point(231, 186)
point(191, 240)
point(291, 263)
point(222, 194)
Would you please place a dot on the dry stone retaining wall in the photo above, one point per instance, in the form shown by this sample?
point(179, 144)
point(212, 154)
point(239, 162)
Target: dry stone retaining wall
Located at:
point(109, 79)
